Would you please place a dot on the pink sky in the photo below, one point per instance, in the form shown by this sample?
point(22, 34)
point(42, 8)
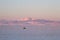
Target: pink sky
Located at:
point(42, 9)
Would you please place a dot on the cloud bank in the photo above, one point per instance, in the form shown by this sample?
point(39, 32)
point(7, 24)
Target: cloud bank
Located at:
point(28, 21)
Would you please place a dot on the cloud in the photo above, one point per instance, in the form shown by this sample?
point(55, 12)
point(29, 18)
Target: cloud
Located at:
point(29, 21)
point(25, 19)
point(43, 21)
point(3, 21)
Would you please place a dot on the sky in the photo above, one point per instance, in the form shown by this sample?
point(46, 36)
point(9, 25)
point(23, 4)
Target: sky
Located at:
point(46, 9)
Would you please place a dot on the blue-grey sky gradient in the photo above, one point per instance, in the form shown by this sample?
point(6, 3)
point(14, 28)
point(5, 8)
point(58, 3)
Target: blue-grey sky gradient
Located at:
point(30, 8)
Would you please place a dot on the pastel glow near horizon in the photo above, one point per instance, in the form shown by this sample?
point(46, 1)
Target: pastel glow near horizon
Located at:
point(46, 9)
point(28, 22)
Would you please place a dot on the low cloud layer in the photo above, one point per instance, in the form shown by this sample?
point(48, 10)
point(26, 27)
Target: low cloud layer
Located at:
point(29, 21)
